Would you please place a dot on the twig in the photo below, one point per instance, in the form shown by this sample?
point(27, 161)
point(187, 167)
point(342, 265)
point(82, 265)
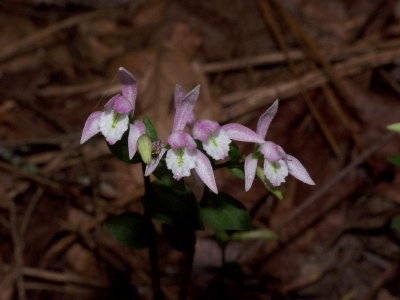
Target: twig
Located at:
point(257, 60)
point(344, 118)
point(29, 211)
point(390, 80)
point(63, 90)
point(34, 178)
point(62, 277)
point(336, 179)
point(315, 53)
point(80, 292)
point(295, 55)
point(55, 140)
point(18, 248)
point(28, 42)
point(386, 276)
point(271, 22)
point(243, 102)
point(311, 221)
point(26, 102)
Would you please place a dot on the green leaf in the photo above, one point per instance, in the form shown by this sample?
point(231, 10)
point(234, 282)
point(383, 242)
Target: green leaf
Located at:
point(234, 153)
point(173, 206)
point(221, 236)
point(120, 150)
point(276, 191)
point(257, 234)
point(131, 229)
point(223, 212)
point(395, 223)
point(179, 237)
point(394, 127)
point(395, 159)
point(150, 129)
point(237, 172)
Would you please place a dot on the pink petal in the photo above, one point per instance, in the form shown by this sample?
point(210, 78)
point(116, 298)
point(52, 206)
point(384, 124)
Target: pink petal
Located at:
point(272, 151)
point(203, 129)
point(266, 118)
point(91, 127)
point(250, 167)
point(205, 171)
point(298, 171)
point(180, 138)
point(238, 132)
point(185, 108)
point(135, 131)
point(122, 106)
point(110, 103)
point(154, 162)
point(129, 88)
point(179, 95)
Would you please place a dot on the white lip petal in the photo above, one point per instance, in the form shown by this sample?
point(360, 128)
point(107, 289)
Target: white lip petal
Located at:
point(276, 172)
point(113, 125)
point(180, 161)
point(217, 145)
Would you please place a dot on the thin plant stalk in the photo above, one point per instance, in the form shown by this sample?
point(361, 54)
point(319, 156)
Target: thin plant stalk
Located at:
point(189, 258)
point(187, 269)
point(158, 294)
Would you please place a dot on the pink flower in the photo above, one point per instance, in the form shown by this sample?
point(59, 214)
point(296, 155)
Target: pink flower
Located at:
point(183, 157)
point(216, 139)
point(113, 120)
point(277, 164)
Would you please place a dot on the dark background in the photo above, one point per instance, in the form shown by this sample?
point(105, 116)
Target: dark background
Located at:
point(333, 64)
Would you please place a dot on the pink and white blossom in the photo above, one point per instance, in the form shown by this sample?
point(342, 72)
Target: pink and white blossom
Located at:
point(183, 157)
point(113, 120)
point(216, 139)
point(277, 164)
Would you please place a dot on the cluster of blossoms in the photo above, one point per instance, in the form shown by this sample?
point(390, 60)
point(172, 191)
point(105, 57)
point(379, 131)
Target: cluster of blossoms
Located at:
point(183, 157)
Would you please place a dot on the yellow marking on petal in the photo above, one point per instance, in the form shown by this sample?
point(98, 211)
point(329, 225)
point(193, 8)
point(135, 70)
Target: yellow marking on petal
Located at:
point(213, 141)
point(181, 151)
point(274, 166)
point(115, 120)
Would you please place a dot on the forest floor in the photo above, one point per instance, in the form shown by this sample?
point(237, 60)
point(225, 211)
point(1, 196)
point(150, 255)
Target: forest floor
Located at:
point(334, 65)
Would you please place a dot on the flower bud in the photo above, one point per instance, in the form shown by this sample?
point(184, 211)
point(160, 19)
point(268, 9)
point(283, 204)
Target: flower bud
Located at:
point(145, 148)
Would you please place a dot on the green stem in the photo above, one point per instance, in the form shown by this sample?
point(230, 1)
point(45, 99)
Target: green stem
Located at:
point(187, 269)
point(158, 294)
point(189, 258)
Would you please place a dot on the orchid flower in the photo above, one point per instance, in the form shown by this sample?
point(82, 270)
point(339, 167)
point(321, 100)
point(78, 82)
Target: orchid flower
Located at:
point(113, 120)
point(216, 139)
point(183, 156)
point(277, 164)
